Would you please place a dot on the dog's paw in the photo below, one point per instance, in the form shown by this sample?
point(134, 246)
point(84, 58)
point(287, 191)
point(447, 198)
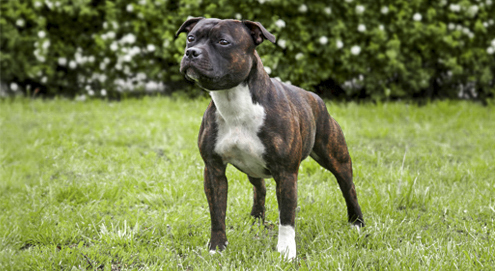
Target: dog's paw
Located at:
point(357, 227)
point(287, 242)
point(218, 248)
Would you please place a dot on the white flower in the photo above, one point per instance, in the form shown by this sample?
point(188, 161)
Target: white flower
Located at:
point(134, 51)
point(303, 8)
point(91, 92)
point(41, 58)
point(323, 40)
point(151, 47)
point(339, 44)
point(490, 50)
point(381, 27)
point(91, 59)
point(361, 28)
point(80, 58)
point(486, 24)
point(417, 17)
point(472, 10)
point(14, 87)
point(103, 92)
point(41, 34)
point(141, 76)
point(37, 4)
point(238, 16)
point(490, 21)
point(62, 61)
point(127, 58)
point(46, 44)
point(493, 43)
point(451, 26)
point(261, 1)
point(299, 56)
point(355, 50)
point(489, 2)
point(384, 10)
point(360, 9)
point(328, 10)
point(455, 7)
point(349, 1)
point(111, 35)
point(282, 43)
point(20, 22)
point(268, 70)
point(114, 46)
point(81, 98)
point(102, 78)
point(443, 3)
point(44, 80)
point(49, 4)
point(280, 23)
point(72, 64)
point(142, 2)
point(166, 43)
point(129, 38)
point(466, 31)
point(130, 8)
point(105, 25)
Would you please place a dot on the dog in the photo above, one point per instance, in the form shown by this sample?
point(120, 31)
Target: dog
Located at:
point(261, 126)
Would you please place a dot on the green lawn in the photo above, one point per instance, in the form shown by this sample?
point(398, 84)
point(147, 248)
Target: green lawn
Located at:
point(119, 185)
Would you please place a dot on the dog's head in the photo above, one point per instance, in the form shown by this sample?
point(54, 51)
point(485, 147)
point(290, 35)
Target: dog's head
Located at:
point(220, 53)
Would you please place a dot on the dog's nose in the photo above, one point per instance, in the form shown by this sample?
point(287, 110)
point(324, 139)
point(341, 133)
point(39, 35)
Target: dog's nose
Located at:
point(193, 52)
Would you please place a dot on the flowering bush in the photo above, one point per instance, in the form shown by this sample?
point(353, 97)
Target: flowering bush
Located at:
point(358, 48)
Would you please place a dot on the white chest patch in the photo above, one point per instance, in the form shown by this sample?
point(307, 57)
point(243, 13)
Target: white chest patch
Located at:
point(239, 121)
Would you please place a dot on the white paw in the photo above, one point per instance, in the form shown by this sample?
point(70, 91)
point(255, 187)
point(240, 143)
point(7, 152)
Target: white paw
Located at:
point(356, 227)
point(287, 242)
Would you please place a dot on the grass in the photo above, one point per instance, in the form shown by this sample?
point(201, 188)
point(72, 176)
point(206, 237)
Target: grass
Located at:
point(118, 186)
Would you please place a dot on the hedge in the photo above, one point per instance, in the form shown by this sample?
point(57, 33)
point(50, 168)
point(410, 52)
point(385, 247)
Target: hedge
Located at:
point(352, 48)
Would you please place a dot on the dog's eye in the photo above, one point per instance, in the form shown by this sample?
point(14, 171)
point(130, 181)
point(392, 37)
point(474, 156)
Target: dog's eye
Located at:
point(190, 38)
point(223, 42)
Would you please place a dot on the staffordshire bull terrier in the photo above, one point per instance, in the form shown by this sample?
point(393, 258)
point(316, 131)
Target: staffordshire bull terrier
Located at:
point(261, 126)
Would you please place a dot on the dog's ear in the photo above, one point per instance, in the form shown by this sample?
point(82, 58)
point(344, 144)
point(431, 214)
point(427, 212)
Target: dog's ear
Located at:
point(188, 25)
point(258, 32)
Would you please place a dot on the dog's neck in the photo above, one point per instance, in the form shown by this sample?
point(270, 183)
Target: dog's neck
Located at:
point(240, 103)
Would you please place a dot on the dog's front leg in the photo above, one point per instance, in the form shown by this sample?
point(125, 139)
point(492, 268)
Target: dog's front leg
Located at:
point(287, 203)
point(216, 187)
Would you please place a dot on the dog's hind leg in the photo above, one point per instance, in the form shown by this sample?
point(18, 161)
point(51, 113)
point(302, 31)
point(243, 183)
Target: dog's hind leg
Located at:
point(259, 193)
point(330, 151)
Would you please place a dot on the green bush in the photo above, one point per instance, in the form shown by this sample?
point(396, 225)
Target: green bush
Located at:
point(356, 48)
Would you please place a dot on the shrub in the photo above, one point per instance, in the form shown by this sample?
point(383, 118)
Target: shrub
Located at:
point(355, 48)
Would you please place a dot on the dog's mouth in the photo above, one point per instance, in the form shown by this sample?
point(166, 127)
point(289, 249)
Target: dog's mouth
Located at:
point(197, 71)
point(192, 74)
